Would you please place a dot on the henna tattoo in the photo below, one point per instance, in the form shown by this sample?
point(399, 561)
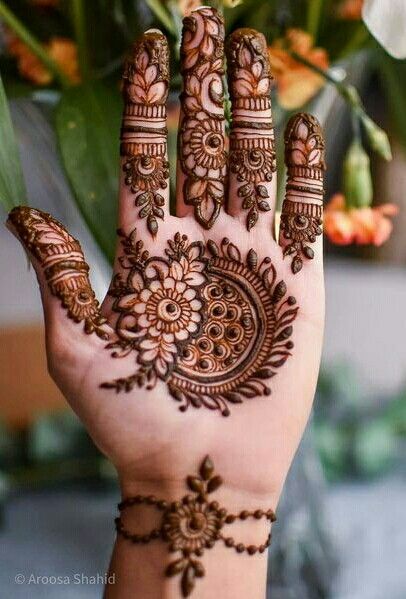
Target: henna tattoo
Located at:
point(212, 325)
point(302, 210)
point(144, 133)
point(192, 525)
point(65, 269)
point(201, 138)
point(252, 153)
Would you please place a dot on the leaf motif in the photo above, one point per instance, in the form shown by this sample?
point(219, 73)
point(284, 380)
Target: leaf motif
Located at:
point(141, 199)
point(252, 259)
point(195, 484)
point(279, 292)
point(214, 483)
point(213, 248)
point(308, 252)
point(287, 317)
point(188, 580)
point(264, 373)
point(232, 396)
point(262, 191)
point(199, 568)
point(233, 252)
point(284, 334)
point(252, 218)
point(280, 362)
point(176, 567)
point(296, 264)
point(207, 468)
point(145, 211)
point(264, 206)
point(152, 224)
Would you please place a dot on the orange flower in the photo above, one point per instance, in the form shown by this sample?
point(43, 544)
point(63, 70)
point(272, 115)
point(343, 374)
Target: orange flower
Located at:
point(350, 10)
point(362, 226)
point(296, 83)
point(61, 49)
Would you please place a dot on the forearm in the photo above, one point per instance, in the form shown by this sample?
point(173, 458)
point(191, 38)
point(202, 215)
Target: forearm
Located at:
point(230, 561)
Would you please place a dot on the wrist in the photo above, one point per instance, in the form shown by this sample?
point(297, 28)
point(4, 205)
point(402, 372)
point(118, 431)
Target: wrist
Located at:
point(197, 526)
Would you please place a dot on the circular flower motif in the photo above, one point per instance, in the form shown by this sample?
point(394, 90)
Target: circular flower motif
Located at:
point(300, 227)
point(163, 311)
point(191, 526)
point(146, 173)
point(203, 147)
point(170, 307)
point(251, 166)
point(81, 304)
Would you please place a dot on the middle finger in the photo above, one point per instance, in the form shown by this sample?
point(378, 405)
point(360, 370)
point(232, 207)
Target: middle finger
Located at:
point(201, 171)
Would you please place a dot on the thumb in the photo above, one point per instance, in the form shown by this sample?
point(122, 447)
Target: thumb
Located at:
point(61, 270)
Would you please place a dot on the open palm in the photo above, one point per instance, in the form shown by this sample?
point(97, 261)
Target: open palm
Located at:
point(209, 339)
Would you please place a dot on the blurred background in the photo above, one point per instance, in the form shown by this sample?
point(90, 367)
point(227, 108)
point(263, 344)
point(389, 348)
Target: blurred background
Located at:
point(341, 531)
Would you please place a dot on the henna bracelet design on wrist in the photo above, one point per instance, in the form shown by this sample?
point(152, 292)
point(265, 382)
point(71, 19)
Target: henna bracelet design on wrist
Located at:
point(192, 525)
point(143, 132)
point(210, 324)
point(302, 209)
point(63, 263)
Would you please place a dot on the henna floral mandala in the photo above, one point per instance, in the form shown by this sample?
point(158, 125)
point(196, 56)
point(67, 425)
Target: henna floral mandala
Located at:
point(212, 325)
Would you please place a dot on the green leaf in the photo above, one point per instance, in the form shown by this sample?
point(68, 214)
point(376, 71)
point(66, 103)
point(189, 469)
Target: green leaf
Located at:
point(87, 125)
point(12, 186)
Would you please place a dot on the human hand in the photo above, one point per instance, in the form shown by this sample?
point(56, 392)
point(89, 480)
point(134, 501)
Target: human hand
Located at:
point(207, 315)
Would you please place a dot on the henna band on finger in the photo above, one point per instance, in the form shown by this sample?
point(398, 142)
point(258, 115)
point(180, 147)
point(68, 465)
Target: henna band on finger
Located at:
point(144, 132)
point(302, 209)
point(63, 263)
point(193, 524)
point(252, 153)
point(202, 153)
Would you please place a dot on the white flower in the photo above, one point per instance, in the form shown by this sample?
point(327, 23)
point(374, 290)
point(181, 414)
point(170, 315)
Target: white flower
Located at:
point(386, 20)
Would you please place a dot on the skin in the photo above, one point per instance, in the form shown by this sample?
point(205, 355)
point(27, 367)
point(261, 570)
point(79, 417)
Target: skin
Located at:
point(154, 446)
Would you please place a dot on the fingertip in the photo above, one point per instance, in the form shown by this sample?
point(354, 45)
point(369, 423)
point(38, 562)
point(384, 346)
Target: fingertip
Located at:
point(302, 210)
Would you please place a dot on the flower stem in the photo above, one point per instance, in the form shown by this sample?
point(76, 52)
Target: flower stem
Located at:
point(79, 23)
point(162, 14)
point(346, 90)
point(313, 16)
point(33, 44)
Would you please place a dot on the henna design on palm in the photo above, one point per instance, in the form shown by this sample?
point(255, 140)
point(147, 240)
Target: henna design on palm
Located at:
point(252, 154)
point(144, 132)
point(212, 325)
point(302, 210)
point(202, 127)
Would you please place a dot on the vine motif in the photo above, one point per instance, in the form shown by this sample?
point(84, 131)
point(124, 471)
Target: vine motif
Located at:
point(202, 150)
point(143, 135)
point(252, 154)
point(65, 269)
point(212, 326)
point(302, 220)
point(193, 524)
